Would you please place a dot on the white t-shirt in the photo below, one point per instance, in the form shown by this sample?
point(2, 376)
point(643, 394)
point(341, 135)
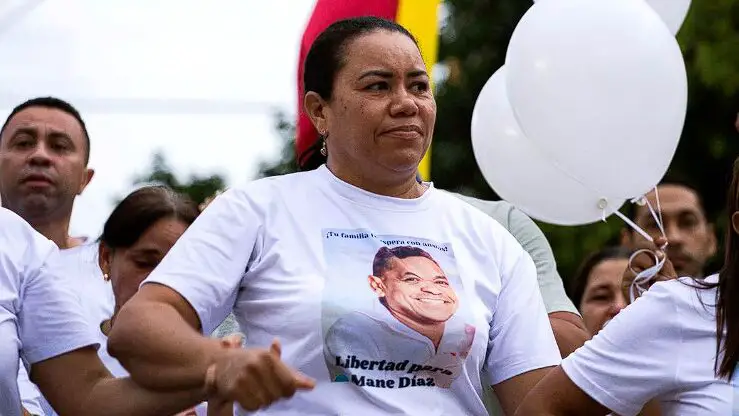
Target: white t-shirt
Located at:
point(37, 305)
point(663, 347)
point(96, 294)
point(292, 255)
point(30, 395)
point(80, 267)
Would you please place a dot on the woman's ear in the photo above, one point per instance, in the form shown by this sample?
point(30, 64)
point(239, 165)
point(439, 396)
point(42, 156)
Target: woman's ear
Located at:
point(316, 108)
point(104, 258)
point(735, 221)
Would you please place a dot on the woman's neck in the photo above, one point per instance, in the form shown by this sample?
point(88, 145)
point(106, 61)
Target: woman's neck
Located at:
point(404, 186)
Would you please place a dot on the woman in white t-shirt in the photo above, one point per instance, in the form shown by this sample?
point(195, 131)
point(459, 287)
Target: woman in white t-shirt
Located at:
point(136, 236)
point(678, 345)
point(292, 255)
point(42, 323)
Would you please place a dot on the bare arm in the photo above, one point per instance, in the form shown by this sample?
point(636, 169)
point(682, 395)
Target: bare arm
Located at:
point(77, 383)
point(557, 395)
point(155, 338)
point(569, 331)
point(511, 392)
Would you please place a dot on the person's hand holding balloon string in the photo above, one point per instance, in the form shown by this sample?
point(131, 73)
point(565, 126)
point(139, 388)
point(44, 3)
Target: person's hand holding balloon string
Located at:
point(645, 276)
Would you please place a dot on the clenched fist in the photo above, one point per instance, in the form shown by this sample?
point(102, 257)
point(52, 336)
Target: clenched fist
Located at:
point(255, 378)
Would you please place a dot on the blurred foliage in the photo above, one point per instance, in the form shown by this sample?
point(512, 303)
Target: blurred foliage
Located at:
point(286, 162)
point(473, 46)
point(197, 187)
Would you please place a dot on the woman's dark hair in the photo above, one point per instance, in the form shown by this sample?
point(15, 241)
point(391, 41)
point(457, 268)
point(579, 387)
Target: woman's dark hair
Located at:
point(326, 57)
point(727, 296)
point(140, 210)
point(577, 289)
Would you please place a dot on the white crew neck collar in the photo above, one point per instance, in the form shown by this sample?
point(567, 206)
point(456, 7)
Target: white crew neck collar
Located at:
point(362, 197)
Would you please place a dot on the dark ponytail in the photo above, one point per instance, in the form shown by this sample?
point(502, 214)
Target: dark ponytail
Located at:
point(727, 302)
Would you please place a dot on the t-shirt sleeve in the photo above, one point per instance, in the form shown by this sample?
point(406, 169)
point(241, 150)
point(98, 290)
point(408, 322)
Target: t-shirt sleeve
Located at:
point(206, 265)
point(30, 395)
point(634, 358)
point(51, 320)
point(521, 338)
point(533, 240)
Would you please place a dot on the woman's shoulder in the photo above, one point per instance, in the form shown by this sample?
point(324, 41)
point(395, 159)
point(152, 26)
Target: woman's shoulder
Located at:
point(491, 222)
point(276, 182)
point(264, 191)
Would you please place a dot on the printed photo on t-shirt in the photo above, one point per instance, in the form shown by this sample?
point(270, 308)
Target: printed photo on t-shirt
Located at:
point(394, 313)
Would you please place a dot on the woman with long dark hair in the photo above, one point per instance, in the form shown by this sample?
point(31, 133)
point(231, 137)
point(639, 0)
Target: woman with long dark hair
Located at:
point(678, 345)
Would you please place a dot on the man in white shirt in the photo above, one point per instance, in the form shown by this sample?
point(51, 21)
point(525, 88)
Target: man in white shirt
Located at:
point(44, 154)
point(416, 306)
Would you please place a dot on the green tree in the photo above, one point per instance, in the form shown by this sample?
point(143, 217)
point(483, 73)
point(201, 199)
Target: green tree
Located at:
point(197, 187)
point(473, 44)
point(286, 163)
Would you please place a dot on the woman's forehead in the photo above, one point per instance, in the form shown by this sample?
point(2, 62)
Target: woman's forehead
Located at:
point(383, 49)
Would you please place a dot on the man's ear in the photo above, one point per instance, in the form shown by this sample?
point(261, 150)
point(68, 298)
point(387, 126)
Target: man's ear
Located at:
point(89, 173)
point(316, 109)
point(735, 222)
point(376, 285)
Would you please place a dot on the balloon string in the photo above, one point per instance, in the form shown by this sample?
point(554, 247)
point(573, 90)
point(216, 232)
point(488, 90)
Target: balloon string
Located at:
point(640, 283)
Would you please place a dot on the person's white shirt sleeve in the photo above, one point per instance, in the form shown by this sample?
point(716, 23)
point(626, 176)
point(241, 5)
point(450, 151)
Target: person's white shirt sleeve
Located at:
point(634, 358)
point(50, 319)
point(521, 338)
point(206, 264)
point(30, 395)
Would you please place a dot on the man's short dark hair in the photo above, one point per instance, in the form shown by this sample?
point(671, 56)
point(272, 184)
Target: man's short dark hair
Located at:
point(385, 255)
point(56, 104)
point(673, 179)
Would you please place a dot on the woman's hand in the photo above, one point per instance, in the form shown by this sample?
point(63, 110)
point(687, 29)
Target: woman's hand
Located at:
point(217, 406)
point(644, 261)
point(255, 378)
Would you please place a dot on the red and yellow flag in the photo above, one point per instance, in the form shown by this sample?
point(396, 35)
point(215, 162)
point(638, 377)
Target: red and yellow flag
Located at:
point(418, 16)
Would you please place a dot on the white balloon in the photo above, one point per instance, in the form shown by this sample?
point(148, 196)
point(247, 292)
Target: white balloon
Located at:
point(672, 12)
point(520, 173)
point(600, 86)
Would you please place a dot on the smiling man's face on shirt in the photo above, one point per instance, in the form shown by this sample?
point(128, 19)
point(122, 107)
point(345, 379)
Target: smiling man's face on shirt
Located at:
point(415, 288)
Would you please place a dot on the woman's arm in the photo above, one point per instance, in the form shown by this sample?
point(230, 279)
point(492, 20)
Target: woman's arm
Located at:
point(557, 395)
point(154, 337)
point(521, 344)
point(77, 383)
point(613, 371)
point(157, 335)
